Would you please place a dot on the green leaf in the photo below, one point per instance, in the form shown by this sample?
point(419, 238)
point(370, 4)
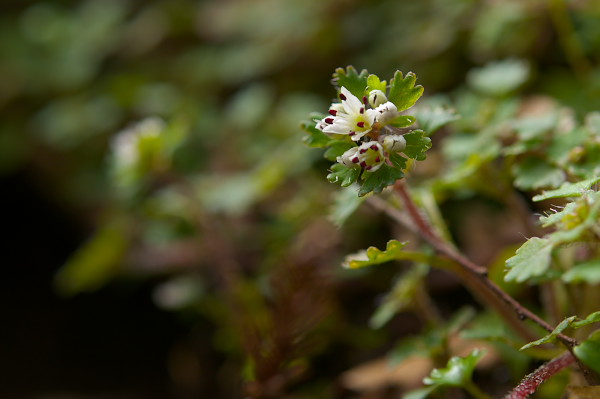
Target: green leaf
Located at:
point(380, 179)
point(403, 92)
point(315, 138)
point(531, 260)
point(355, 82)
point(557, 217)
point(403, 121)
point(420, 393)
point(401, 296)
point(374, 83)
point(588, 351)
point(568, 190)
point(592, 318)
point(346, 202)
point(343, 175)
point(398, 161)
point(534, 173)
point(499, 78)
point(417, 143)
point(562, 326)
point(373, 256)
point(95, 262)
point(586, 272)
point(458, 371)
point(432, 119)
point(337, 148)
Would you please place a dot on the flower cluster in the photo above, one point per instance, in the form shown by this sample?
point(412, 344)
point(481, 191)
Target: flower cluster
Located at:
point(365, 126)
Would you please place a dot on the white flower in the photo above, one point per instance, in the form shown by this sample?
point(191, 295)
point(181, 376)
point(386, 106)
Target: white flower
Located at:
point(125, 144)
point(385, 113)
point(368, 156)
point(394, 143)
point(376, 98)
point(349, 117)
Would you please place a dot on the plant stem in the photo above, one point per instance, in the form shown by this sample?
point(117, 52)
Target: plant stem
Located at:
point(475, 275)
point(531, 383)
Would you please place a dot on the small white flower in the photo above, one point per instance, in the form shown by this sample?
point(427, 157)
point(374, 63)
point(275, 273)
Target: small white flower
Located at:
point(349, 117)
point(376, 98)
point(368, 156)
point(394, 143)
point(385, 113)
point(125, 144)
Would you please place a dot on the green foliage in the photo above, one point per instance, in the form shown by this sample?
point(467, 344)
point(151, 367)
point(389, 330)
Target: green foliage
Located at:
point(343, 175)
point(417, 143)
point(499, 78)
point(431, 119)
point(344, 205)
point(588, 351)
point(376, 181)
point(403, 92)
point(458, 373)
point(532, 260)
point(349, 78)
point(568, 190)
point(373, 256)
point(562, 326)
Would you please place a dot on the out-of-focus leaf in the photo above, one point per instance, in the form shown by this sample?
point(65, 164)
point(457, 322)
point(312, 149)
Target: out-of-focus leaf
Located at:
point(337, 148)
point(457, 373)
point(420, 393)
point(343, 175)
point(588, 351)
point(346, 202)
point(586, 272)
point(373, 256)
point(592, 318)
point(417, 143)
point(355, 82)
point(534, 173)
point(557, 217)
point(499, 78)
point(531, 260)
point(380, 179)
point(431, 119)
point(403, 92)
point(401, 295)
point(568, 190)
point(315, 138)
point(96, 262)
point(398, 161)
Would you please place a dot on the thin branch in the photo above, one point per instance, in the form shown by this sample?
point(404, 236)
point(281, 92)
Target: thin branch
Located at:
point(530, 384)
point(479, 273)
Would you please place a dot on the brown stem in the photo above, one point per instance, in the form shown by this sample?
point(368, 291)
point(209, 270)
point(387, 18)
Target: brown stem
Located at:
point(531, 383)
point(475, 275)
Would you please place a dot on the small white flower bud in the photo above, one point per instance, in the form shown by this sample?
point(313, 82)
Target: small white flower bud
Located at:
point(394, 143)
point(376, 98)
point(347, 157)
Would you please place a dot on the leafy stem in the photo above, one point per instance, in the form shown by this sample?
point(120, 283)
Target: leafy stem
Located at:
point(474, 275)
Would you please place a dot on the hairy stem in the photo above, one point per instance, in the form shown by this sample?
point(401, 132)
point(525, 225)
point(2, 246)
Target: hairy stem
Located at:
point(531, 383)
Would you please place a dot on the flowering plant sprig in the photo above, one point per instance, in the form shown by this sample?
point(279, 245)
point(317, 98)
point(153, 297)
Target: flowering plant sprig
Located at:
point(366, 132)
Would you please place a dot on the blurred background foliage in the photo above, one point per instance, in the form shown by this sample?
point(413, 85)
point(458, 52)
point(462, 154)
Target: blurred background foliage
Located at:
point(211, 249)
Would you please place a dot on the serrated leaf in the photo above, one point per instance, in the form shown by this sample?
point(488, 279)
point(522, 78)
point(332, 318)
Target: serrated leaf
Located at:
point(342, 175)
point(432, 119)
point(403, 92)
point(588, 351)
point(586, 272)
point(568, 190)
point(315, 138)
point(403, 121)
point(380, 179)
point(373, 83)
point(373, 256)
point(534, 173)
point(531, 260)
point(592, 318)
point(499, 78)
point(336, 149)
point(355, 82)
point(557, 217)
point(458, 371)
point(346, 202)
point(417, 143)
